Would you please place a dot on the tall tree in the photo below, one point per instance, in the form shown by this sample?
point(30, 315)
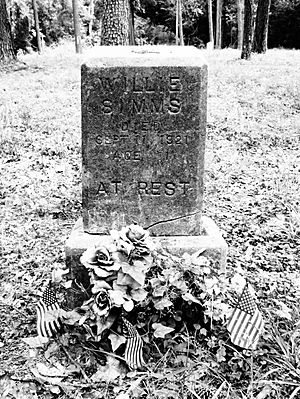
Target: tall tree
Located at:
point(219, 24)
point(76, 22)
point(91, 15)
point(248, 30)
point(240, 22)
point(261, 27)
point(179, 27)
point(210, 21)
point(6, 40)
point(116, 23)
point(37, 27)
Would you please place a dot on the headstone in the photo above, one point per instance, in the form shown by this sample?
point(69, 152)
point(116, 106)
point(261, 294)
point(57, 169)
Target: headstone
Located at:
point(143, 138)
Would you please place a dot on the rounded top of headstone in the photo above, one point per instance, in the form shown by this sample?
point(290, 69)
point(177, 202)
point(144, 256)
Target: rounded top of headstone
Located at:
point(148, 56)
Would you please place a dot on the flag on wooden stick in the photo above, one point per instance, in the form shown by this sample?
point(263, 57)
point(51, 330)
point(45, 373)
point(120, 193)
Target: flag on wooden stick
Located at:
point(134, 346)
point(246, 323)
point(48, 321)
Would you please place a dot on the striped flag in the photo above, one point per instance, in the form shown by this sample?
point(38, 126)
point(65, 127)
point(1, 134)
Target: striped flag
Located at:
point(134, 346)
point(48, 321)
point(246, 323)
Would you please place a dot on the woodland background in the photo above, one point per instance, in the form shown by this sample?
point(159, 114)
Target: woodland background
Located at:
point(154, 22)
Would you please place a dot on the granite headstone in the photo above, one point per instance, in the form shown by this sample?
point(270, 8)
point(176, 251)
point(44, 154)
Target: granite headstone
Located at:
point(143, 139)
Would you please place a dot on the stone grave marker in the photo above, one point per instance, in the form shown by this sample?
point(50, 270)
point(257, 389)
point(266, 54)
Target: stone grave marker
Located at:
point(143, 139)
point(143, 145)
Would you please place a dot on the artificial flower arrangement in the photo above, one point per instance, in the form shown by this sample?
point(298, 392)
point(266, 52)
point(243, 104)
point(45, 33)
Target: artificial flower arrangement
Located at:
point(149, 301)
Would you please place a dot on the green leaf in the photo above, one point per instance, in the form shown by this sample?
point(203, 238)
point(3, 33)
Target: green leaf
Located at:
point(163, 303)
point(139, 295)
point(190, 298)
point(126, 280)
point(137, 273)
point(116, 341)
point(160, 331)
point(71, 317)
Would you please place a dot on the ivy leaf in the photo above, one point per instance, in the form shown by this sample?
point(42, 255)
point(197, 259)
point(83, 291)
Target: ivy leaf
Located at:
point(137, 273)
point(71, 317)
point(139, 295)
point(163, 303)
point(160, 331)
point(180, 285)
point(103, 325)
point(116, 341)
point(159, 291)
point(125, 279)
point(190, 298)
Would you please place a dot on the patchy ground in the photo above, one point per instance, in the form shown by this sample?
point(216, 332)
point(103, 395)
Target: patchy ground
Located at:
point(252, 191)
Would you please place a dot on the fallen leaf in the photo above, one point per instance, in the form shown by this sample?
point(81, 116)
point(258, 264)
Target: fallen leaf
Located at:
point(51, 371)
point(36, 342)
point(109, 372)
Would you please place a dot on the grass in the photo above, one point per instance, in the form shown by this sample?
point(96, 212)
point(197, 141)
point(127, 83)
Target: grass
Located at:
point(252, 185)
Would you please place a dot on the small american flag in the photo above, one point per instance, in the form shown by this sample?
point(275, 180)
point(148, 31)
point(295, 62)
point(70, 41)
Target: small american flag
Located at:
point(134, 346)
point(246, 323)
point(48, 321)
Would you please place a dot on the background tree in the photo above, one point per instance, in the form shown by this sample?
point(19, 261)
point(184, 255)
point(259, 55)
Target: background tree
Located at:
point(77, 33)
point(248, 30)
point(219, 24)
point(116, 22)
point(6, 39)
point(37, 26)
point(210, 21)
point(261, 26)
point(179, 26)
point(284, 24)
point(240, 22)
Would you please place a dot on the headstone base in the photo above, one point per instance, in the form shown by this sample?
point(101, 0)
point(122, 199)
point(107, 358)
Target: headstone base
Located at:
point(212, 243)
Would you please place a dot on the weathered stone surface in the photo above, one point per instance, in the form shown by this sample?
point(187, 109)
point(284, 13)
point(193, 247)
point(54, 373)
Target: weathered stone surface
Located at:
point(143, 127)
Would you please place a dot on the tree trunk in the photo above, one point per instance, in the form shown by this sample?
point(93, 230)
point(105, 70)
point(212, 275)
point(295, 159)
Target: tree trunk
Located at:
point(37, 28)
point(248, 30)
point(76, 27)
point(131, 25)
point(116, 23)
point(6, 41)
point(210, 21)
point(91, 12)
point(261, 27)
point(180, 27)
point(240, 23)
point(219, 24)
point(177, 25)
